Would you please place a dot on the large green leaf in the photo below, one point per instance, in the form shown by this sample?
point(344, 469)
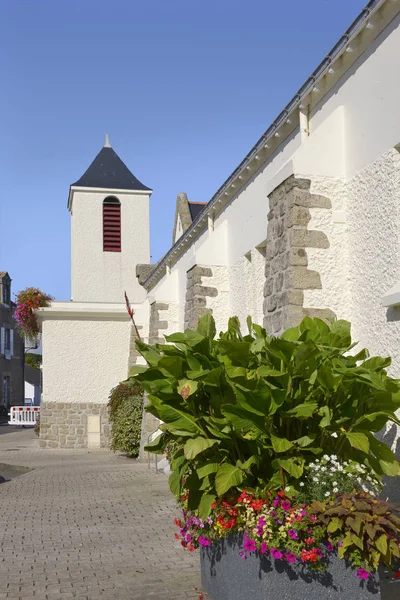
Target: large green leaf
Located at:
point(358, 441)
point(304, 410)
point(206, 326)
point(280, 444)
point(175, 483)
point(294, 466)
point(227, 476)
point(207, 469)
point(195, 446)
point(243, 419)
point(386, 458)
point(205, 505)
point(178, 418)
point(158, 445)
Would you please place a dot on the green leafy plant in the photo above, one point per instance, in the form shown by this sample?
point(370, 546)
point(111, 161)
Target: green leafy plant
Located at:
point(252, 411)
point(33, 360)
point(125, 413)
point(366, 529)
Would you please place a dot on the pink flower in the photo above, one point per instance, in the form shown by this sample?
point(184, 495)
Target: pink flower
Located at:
point(203, 541)
point(264, 547)
point(275, 553)
point(290, 557)
point(363, 573)
point(286, 505)
point(292, 533)
point(249, 545)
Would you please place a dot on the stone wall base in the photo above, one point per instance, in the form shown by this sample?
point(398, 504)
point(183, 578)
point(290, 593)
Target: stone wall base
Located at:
point(68, 425)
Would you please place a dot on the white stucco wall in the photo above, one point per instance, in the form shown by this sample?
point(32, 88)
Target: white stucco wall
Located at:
point(349, 158)
point(83, 359)
point(374, 254)
point(98, 276)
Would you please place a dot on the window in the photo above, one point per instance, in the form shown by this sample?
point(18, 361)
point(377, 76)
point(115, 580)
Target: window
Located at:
point(7, 340)
point(6, 292)
point(111, 225)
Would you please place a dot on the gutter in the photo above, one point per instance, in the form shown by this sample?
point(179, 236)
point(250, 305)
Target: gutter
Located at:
point(272, 132)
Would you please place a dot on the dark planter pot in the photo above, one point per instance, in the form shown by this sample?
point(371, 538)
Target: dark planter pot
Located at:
point(227, 576)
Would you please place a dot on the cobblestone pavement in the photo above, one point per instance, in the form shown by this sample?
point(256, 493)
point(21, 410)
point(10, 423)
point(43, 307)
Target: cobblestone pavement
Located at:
point(87, 526)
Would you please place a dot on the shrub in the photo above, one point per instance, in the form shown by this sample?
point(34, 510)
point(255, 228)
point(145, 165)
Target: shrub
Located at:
point(252, 411)
point(125, 412)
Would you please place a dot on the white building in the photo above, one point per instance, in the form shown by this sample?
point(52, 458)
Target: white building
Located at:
point(307, 224)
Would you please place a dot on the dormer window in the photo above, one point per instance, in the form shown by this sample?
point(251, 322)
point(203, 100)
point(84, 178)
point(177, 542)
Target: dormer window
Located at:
point(6, 292)
point(111, 225)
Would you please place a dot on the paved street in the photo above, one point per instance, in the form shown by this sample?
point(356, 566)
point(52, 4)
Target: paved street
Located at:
point(87, 526)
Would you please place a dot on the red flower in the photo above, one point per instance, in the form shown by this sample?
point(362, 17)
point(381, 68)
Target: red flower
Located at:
point(257, 504)
point(177, 522)
point(309, 541)
point(281, 494)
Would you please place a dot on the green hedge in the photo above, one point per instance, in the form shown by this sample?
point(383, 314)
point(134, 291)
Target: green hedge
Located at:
point(125, 408)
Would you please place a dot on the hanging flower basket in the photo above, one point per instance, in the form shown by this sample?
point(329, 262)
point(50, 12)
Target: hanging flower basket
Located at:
point(27, 302)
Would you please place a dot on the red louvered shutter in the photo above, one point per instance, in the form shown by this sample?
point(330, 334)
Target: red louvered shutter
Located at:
point(111, 225)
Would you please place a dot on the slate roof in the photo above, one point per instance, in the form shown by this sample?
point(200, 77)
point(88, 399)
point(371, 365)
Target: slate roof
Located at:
point(196, 208)
point(108, 171)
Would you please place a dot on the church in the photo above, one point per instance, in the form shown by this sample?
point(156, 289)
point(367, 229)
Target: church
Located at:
point(307, 224)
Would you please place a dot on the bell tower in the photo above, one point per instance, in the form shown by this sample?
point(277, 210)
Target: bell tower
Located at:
point(110, 231)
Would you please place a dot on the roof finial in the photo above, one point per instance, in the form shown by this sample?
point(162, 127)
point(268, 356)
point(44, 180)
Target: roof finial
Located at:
point(107, 142)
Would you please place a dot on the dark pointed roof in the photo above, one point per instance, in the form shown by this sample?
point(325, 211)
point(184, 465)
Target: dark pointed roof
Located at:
point(196, 208)
point(108, 171)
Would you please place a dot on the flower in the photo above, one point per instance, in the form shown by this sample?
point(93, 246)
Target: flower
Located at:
point(310, 540)
point(249, 545)
point(301, 484)
point(242, 555)
point(334, 483)
point(335, 489)
point(290, 557)
point(203, 541)
point(334, 434)
point(275, 553)
point(286, 505)
point(327, 494)
point(363, 573)
point(263, 547)
point(292, 533)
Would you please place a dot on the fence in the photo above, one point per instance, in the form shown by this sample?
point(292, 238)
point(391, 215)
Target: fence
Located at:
point(23, 415)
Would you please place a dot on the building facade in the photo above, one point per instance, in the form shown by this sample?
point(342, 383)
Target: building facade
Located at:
point(307, 224)
point(12, 352)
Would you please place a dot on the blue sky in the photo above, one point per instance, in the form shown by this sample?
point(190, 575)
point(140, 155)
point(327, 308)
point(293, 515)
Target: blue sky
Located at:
point(183, 88)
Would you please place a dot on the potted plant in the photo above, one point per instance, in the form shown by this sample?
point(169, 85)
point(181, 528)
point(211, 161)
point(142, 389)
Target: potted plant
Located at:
point(276, 464)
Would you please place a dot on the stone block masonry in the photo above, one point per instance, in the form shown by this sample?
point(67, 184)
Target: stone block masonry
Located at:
point(65, 425)
point(286, 272)
point(197, 293)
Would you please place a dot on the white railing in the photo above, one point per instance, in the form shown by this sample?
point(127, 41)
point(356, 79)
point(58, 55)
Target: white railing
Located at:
point(23, 415)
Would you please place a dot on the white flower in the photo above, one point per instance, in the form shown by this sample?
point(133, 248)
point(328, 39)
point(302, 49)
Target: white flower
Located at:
point(315, 479)
point(333, 469)
point(323, 468)
point(311, 465)
point(333, 457)
point(317, 460)
point(345, 464)
point(301, 483)
point(334, 434)
point(340, 468)
point(334, 482)
point(327, 494)
point(317, 467)
point(335, 489)
point(326, 457)
point(287, 488)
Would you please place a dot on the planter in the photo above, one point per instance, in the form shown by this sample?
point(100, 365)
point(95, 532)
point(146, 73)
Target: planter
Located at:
point(227, 576)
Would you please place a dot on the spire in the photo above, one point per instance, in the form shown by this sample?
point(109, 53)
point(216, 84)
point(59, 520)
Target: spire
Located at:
point(107, 142)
